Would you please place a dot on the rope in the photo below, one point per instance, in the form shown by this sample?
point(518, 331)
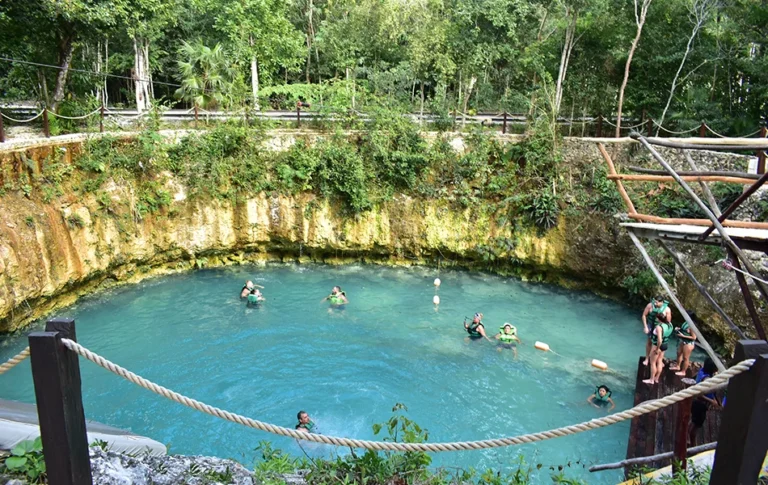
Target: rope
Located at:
point(14, 361)
point(642, 123)
point(675, 132)
point(728, 265)
point(644, 408)
point(118, 115)
point(725, 136)
point(22, 121)
point(76, 117)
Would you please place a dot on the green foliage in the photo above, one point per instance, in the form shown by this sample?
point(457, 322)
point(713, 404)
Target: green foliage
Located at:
point(75, 221)
point(543, 209)
point(693, 476)
point(26, 461)
point(643, 284)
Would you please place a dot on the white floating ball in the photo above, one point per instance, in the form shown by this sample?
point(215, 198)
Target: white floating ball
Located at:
point(437, 281)
point(541, 346)
point(436, 300)
point(599, 364)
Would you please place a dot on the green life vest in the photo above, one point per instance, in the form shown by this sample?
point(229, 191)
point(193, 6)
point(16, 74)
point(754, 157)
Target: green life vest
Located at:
point(309, 426)
point(335, 300)
point(655, 312)
point(472, 330)
point(507, 338)
point(600, 398)
point(666, 331)
point(253, 298)
point(685, 329)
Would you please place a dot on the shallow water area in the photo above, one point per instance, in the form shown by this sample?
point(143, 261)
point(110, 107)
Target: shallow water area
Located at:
point(348, 367)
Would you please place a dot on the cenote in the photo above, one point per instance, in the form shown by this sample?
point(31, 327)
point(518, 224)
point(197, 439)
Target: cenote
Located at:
point(347, 368)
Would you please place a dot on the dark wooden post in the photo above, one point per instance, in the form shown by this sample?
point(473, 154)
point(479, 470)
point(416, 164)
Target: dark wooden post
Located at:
point(46, 126)
point(196, 112)
point(2, 129)
point(599, 126)
point(680, 461)
point(298, 114)
point(703, 130)
point(649, 128)
point(56, 374)
point(743, 439)
point(760, 153)
point(101, 118)
point(503, 126)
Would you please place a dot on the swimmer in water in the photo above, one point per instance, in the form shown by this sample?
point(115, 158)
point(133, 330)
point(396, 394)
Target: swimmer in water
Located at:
point(247, 287)
point(255, 297)
point(305, 424)
point(337, 297)
point(508, 338)
point(476, 329)
point(601, 398)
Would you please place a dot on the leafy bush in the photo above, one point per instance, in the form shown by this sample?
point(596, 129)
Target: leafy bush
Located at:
point(26, 460)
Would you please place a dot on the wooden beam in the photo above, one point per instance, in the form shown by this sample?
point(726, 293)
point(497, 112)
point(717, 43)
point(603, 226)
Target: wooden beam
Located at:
point(703, 291)
point(743, 439)
point(720, 229)
point(650, 459)
point(681, 434)
point(698, 222)
point(687, 178)
point(747, 295)
point(704, 344)
point(736, 203)
point(704, 187)
point(652, 171)
point(739, 144)
point(612, 171)
point(56, 375)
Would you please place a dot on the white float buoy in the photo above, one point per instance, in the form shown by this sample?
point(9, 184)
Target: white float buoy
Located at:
point(436, 300)
point(437, 281)
point(599, 364)
point(541, 346)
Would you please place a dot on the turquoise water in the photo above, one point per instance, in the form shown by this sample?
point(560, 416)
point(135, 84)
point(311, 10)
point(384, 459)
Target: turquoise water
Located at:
point(347, 368)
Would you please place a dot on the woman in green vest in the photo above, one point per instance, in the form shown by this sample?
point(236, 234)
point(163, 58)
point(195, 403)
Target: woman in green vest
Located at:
point(476, 329)
point(656, 309)
point(337, 297)
point(686, 340)
point(601, 398)
point(659, 339)
point(508, 338)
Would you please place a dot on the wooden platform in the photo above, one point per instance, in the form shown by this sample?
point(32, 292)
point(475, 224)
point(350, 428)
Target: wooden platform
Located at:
point(754, 239)
point(653, 433)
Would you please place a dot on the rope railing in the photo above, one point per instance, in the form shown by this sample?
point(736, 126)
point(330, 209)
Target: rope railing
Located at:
point(710, 384)
point(675, 132)
point(14, 361)
point(75, 117)
point(22, 121)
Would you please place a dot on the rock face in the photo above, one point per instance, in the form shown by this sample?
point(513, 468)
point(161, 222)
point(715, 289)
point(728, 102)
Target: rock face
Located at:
point(52, 252)
point(110, 468)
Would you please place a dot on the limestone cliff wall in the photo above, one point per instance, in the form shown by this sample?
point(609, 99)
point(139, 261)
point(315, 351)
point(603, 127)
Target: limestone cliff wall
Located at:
point(51, 253)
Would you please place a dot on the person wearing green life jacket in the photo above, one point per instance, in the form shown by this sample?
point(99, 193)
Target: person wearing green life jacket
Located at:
point(686, 340)
point(337, 297)
point(476, 329)
point(655, 311)
point(255, 297)
point(507, 337)
point(601, 398)
point(305, 424)
point(659, 339)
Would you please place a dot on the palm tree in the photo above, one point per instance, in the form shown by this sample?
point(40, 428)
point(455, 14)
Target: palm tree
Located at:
point(207, 75)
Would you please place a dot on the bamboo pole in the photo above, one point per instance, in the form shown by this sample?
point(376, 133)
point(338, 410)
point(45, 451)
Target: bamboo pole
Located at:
point(736, 203)
point(698, 222)
point(650, 459)
point(612, 171)
point(703, 291)
point(736, 144)
point(695, 171)
point(704, 344)
point(687, 178)
point(723, 234)
point(704, 186)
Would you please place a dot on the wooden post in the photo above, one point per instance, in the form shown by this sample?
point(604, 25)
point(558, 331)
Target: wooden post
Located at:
point(736, 203)
point(101, 118)
point(748, 301)
point(56, 375)
point(761, 153)
point(298, 114)
point(2, 130)
point(703, 130)
point(619, 185)
point(680, 461)
point(599, 126)
point(743, 439)
point(503, 126)
point(196, 113)
point(46, 126)
point(649, 127)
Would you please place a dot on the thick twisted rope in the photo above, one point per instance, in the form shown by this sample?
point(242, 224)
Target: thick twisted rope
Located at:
point(14, 361)
point(76, 117)
point(675, 132)
point(644, 408)
point(22, 121)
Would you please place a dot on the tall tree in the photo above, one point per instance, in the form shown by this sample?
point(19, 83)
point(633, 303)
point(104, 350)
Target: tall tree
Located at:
point(641, 11)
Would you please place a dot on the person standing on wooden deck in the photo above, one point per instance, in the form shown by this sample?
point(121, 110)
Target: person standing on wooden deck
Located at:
point(702, 403)
point(659, 339)
point(658, 306)
point(686, 340)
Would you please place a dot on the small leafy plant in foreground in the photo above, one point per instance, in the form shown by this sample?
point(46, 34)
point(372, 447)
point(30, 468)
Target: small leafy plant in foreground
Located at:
point(27, 461)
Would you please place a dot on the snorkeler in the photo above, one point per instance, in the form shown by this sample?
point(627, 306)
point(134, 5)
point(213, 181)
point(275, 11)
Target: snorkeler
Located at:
point(601, 398)
point(255, 297)
point(657, 307)
point(305, 424)
point(659, 339)
point(337, 297)
point(507, 337)
point(476, 329)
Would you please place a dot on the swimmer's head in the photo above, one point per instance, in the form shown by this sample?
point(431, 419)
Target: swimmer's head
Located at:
point(335, 290)
point(477, 317)
point(249, 284)
point(603, 390)
point(303, 417)
point(508, 328)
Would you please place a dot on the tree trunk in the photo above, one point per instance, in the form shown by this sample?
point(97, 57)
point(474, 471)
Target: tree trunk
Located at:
point(471, 85)
point(66, 49)
point(309, 37)
point(421, 110)
point(570, 32)
point(640, 21)
point(141, 73)
point(254, 76)
point(43, 86)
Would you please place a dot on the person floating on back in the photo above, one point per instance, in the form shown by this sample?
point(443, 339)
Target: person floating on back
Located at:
point(686, 340)
point(476, 329)
point(702, 403)
point(255, 297)
point(305, 424)
point(508, 338)
point(601, 398)
point(337, 297)
point(657, 306)
point(659, 338)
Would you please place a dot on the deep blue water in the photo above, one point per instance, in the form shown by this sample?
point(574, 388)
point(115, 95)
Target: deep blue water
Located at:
point(347, 368)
